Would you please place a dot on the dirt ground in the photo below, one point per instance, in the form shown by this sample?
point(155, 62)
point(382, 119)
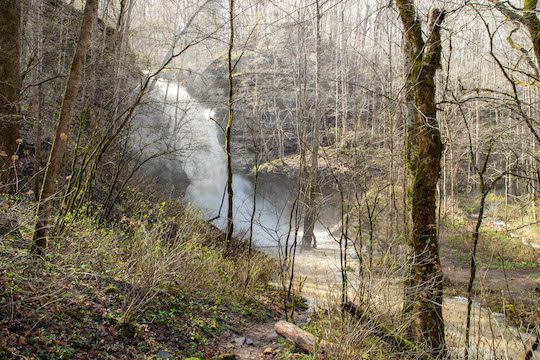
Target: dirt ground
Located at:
point(515, 283)
point(257, 340)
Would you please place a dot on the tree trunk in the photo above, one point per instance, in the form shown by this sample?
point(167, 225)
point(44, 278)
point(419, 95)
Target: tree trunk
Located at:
point(411, 158)
point(37, 101)
point(304, 340)
point(59, 147)
point(344, 86)
point(310, 213)
point(425, 58)
point(10, 85)
point(533, 24)
point(230, 222)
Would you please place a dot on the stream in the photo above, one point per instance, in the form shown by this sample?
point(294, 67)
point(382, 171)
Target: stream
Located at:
point(491, 336)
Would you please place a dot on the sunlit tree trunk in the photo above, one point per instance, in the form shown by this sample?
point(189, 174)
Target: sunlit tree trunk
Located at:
point(310, 213)
point(344, 86)
point(54, 164)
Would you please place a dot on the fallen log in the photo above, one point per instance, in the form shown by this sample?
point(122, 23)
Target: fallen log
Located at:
point(304, 340)
point(382, 331)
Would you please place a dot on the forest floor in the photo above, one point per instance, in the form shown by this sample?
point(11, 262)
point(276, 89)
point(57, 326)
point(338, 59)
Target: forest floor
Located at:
point(131, 291)
point(59, 315)
point(87, 300)
point(516, 282)
point(260, 340)
point(47, 313)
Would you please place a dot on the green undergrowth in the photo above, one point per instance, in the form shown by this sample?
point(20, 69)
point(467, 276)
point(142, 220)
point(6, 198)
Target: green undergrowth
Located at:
point(523, 313)
point(159, 281)
point(502, 243)
point(494, 251)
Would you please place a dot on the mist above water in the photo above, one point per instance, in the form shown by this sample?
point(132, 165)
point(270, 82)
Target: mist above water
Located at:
point(204, 162)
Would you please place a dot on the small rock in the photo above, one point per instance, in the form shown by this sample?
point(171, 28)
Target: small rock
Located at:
point(238, 341)
point(162, 354)
point(268, 351)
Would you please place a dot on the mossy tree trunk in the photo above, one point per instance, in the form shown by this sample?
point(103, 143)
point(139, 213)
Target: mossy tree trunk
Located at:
point(10, 86)
point(228, 130)
point(533, 25)
point(425, 60)
point(56, 157)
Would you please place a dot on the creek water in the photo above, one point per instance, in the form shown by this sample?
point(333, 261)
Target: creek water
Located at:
point(203, 157)
point(319, 275)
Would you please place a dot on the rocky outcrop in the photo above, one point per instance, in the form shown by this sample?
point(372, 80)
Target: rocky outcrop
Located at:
point(274, 96)
point(265, 110)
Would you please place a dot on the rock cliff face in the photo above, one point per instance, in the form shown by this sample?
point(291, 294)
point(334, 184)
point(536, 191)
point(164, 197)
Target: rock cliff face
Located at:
point(61, 25)
point(265, 109)
point(274, 97)
point(60, 30)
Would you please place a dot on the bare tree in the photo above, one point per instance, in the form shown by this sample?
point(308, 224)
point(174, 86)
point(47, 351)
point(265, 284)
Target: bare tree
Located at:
point(228, 130)
point(59, 147)
point(428, 276)
point(310, 213)
point(10, 85)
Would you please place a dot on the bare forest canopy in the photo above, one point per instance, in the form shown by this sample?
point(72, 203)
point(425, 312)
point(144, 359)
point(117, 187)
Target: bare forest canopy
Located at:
point(405, 131)
point(363, 71)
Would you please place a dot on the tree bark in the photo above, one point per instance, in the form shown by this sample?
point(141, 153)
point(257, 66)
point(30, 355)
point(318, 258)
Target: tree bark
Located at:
point(10, 86)
point(59, 147)
point(411, 158)
point(310, 212)
point(37, 100)
point(425, 60)
point(228, 130)
point(304, 340)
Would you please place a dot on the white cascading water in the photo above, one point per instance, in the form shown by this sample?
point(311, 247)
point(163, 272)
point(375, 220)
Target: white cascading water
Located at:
point(204, 162)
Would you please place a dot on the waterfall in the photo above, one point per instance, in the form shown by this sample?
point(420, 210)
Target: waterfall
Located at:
point(203, 158)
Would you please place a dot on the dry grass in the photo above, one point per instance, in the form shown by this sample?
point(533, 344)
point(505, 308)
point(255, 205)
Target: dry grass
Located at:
point(110, 282)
